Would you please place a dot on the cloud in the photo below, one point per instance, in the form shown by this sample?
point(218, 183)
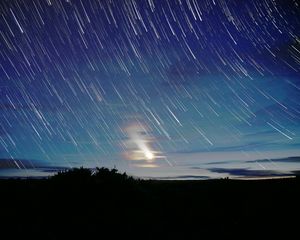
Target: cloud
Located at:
point(8, 163)
point(218, 162)
point(183, 177)
point(26, 164)
point(297, 172)
point(49, 169)
point(245, 172)
point(267, 160)
point(284, 160)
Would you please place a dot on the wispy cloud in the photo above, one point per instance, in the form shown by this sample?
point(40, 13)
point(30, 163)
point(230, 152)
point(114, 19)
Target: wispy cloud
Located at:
point(283, 160)
point(244, 172)
point(26, 167)
point(183, 177)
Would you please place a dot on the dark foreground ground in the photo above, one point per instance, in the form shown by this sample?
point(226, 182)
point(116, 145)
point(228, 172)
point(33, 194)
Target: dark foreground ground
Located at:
point(97, 209)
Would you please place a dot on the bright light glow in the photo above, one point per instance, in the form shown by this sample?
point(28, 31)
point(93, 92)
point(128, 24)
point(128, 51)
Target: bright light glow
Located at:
point(140, 143)
point(149, 155)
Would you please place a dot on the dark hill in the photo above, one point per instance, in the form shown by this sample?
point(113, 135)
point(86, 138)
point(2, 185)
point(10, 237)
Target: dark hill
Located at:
point(105, 204)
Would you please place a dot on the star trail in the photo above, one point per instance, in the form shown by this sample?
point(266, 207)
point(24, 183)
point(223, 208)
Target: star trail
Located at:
point(156, 88)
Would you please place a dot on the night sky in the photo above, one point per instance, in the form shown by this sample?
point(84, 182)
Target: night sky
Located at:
point(157, 88)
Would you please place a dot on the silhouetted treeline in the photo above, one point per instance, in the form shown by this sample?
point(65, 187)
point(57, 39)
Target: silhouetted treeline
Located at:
point(77, 175)
point(105, 204)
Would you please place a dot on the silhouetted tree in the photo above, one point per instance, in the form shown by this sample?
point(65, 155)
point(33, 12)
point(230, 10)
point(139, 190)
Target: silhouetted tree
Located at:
point(74, 175)
point(102, 174)
point(111, 175)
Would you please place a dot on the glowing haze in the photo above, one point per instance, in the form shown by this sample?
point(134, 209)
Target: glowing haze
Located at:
point(139, 146)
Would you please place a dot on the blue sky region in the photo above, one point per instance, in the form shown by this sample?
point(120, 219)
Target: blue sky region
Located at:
point(165, 89)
